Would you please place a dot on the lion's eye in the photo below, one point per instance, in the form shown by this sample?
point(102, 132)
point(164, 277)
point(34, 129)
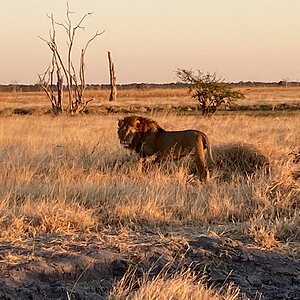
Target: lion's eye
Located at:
point(122, 130)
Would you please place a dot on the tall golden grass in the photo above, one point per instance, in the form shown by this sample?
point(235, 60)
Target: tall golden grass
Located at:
point(69, 174)
point(184, 286)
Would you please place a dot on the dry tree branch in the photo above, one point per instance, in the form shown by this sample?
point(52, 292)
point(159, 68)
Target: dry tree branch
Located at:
point(75, 85)
point(44, 83)
point(82, 20)
point(91, 39)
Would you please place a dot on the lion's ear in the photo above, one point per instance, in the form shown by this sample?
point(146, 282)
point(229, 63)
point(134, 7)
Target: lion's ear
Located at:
point(137, 123)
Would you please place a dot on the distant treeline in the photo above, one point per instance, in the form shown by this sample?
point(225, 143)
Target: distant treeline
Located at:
point(173, 85)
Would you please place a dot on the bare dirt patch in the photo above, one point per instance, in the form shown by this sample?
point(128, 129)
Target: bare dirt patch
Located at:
point(77, 267)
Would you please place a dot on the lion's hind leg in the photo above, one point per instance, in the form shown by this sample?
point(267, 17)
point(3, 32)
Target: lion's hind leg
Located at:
point(201, 164)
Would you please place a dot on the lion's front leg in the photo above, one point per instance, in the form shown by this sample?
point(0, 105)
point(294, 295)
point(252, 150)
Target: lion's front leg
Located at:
point(145, 163)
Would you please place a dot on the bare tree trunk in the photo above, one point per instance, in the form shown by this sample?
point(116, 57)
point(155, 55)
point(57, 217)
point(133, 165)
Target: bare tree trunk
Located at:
point(60, 88)
point(59, 69)
point(113, 78)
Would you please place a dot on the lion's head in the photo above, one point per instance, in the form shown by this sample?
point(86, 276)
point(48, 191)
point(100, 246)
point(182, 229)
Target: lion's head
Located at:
point(131, 130)
point(127, 129)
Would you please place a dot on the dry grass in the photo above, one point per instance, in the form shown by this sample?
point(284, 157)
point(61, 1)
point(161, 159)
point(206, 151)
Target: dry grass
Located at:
point(271, 95)
point(70, 174)
point(129, 96)
point(32, 217)
point(157, 96)
point(184, 286)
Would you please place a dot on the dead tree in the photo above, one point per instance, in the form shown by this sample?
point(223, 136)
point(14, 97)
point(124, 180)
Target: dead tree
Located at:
point(113, 78)
point(52, 81)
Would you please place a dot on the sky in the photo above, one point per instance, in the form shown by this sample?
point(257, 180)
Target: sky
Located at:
point(248, 40)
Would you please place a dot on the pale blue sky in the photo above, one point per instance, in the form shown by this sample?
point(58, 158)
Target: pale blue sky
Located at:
point(255, 40)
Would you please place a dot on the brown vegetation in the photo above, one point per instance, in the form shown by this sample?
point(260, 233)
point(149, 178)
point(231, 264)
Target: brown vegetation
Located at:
point(76, 209)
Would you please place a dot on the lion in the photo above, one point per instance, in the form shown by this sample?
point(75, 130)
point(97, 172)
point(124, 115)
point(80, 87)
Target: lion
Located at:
point(147, 138)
